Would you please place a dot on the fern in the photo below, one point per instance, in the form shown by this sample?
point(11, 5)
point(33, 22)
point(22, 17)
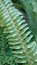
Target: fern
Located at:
point(3, 45)
point(30, 6)
point(20, 39)
point(6, 57)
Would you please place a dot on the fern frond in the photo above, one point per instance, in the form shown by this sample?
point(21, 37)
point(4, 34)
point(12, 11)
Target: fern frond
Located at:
point(30, 6)
point(21, 40)
point(3, 45)
point(6, 56)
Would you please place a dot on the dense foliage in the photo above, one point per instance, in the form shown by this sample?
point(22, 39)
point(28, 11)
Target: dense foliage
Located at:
point(18, 41)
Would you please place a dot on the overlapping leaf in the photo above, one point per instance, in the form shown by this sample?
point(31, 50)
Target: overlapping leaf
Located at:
point(21, 41)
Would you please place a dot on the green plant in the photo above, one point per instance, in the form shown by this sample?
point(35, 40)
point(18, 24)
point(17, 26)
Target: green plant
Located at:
point(30, 6)
point(18, 42)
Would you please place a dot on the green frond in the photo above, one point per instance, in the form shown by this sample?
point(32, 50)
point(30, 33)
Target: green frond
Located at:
point(3, 44)
point(6, 56)
point(21, 40)
point(30, 6)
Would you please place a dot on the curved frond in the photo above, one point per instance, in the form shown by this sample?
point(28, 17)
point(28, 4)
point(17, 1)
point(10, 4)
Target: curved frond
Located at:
point(21, 39)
